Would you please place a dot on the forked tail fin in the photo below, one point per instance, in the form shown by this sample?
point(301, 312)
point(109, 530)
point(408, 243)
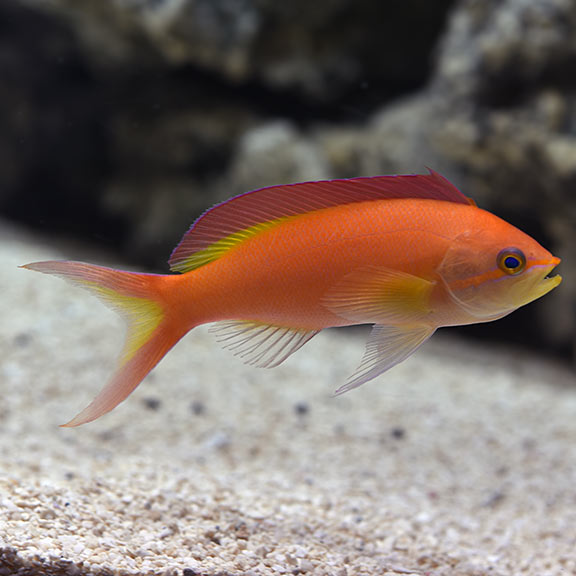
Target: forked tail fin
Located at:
point(141, 300)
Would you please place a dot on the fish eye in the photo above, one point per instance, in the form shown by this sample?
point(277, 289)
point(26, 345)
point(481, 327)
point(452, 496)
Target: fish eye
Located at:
point(511, 260)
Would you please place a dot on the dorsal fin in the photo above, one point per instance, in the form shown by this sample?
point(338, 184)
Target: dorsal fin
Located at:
point(241, 217)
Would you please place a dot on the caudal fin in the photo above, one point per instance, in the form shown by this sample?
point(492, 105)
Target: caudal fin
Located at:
point(151, 332)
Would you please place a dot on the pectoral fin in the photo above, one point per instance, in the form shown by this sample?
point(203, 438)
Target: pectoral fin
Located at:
point(377, 295)
point(386, 347)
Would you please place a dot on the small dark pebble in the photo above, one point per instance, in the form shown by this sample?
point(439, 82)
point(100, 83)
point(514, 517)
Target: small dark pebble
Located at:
point(189, 572)
point(301, 408)
point(213, 535)
point(398, 433)
point(197, 408)
point(494, 499)
point(109, 435)
point(22, 340)
point(340, 430)
point(152, 403)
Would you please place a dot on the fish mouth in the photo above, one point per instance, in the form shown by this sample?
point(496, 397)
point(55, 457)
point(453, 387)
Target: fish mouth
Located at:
point(548, 282)
point(535, 283)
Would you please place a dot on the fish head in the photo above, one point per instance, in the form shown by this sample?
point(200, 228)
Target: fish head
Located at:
point(494, 270)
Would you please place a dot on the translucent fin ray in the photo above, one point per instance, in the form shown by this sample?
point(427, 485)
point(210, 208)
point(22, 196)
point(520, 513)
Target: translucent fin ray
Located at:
point(387, 346)
point(378, 295)
point(261, 345)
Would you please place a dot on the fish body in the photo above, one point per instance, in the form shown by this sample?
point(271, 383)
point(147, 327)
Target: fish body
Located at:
point(274, 267)
point(285, 275)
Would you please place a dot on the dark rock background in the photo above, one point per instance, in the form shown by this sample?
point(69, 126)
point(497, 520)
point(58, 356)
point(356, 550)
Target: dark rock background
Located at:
point(121, 120)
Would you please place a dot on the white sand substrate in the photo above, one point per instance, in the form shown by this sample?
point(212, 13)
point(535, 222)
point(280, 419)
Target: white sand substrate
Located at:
point(461, 461)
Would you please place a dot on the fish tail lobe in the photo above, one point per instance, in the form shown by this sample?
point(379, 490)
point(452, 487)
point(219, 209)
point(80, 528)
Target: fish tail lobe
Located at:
point(153, 325)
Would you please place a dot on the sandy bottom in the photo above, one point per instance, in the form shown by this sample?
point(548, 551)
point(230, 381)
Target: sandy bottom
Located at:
point(461, 461)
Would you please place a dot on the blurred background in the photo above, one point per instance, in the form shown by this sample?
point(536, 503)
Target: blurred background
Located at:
point(122, 120)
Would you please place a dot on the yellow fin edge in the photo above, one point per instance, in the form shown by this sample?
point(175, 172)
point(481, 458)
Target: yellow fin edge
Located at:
point(142, 316)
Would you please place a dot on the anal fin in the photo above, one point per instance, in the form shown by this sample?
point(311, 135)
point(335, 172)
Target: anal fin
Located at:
point(261, 345)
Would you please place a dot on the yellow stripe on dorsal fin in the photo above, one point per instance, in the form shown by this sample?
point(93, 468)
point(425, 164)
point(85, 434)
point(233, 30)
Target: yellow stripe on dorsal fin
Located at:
point(220, 247)
point(228, 224)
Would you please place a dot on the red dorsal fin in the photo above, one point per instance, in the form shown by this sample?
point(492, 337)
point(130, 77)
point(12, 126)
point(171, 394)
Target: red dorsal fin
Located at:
point(236, 219)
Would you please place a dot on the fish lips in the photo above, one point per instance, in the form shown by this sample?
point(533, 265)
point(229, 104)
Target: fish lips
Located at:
point(541, 280)
point(553, 281)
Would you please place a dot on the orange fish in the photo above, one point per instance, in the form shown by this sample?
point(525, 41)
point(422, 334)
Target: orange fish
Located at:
point(275, 266)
